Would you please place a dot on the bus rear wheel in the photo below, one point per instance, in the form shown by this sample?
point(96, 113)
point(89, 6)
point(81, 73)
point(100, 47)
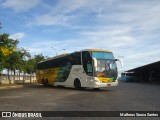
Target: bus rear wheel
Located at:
point(45, 83)
point(77, 84)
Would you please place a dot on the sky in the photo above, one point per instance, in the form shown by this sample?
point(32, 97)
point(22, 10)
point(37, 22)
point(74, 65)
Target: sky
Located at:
point(129, 28)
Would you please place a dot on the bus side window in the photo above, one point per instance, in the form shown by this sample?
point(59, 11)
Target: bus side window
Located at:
point(77, 57)
point(87, 62)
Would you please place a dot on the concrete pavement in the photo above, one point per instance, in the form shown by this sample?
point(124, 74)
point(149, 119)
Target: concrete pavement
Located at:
point(9, 86)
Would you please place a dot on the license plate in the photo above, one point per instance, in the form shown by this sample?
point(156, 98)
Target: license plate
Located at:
point(108, 84)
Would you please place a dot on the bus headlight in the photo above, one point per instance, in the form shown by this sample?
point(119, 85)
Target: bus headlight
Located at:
point(97, 81)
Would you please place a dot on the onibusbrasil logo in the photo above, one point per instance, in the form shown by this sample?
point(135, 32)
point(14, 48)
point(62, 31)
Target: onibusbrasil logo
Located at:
point(21, 114)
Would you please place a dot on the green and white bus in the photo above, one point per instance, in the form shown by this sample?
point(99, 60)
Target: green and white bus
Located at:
point(89, 68)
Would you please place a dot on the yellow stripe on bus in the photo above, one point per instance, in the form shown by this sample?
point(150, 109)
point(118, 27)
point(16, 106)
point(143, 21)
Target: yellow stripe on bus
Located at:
point(50, 74)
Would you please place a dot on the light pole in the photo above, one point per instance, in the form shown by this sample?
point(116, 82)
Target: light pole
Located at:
point(55, 50)
point(119, 56)
point(64, 50)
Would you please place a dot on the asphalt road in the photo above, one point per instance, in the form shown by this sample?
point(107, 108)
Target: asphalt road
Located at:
point(125, 97)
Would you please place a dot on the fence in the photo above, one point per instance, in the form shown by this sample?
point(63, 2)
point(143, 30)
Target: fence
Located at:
point(5, 79)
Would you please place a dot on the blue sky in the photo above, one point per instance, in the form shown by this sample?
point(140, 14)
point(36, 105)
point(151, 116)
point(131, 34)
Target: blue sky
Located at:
point(129, 28)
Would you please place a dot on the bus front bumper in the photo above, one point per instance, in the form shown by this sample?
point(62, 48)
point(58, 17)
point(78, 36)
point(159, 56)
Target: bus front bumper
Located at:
point(108, 84)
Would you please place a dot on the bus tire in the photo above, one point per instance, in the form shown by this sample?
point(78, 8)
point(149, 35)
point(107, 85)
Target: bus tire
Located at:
point(77, 84)
point(45, 83)
point(96, 89)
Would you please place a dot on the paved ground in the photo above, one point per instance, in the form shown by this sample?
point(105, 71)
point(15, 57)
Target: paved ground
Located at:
point(9, 86)
point(125, 97)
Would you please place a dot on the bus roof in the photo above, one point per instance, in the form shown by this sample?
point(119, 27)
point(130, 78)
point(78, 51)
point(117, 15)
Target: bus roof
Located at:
point(90, 50)
point(97, 50)
point(58, 56)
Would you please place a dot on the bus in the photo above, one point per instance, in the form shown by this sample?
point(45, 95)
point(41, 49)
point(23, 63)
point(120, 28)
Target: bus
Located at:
point(128, 77)
point(89, 68)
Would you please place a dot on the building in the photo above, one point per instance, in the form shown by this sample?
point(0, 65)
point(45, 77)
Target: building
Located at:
point(146, 73)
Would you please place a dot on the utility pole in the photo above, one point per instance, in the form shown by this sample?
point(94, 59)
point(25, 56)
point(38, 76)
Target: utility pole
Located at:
point(55, 50)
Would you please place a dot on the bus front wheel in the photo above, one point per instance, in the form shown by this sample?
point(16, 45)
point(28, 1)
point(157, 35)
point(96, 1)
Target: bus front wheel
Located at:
point(77, 84)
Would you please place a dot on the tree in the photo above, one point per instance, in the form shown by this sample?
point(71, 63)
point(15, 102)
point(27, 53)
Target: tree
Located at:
point(12, 62)
point(1, 61)
point(13, 58)
point(29, 66)
point(24, 56)
point(7, 47)
point(8, 56)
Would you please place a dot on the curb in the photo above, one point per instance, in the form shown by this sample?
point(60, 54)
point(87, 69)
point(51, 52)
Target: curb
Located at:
point(9, 87)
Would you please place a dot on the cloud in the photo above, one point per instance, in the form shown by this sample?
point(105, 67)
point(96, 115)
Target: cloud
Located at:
point(17, 36)
point(110, 37)
point(47, 20)
point(20, 5)
point(135, 59)
point(129, 28)
point(68, 13)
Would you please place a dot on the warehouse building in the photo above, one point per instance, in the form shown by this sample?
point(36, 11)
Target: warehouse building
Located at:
point(146, 73)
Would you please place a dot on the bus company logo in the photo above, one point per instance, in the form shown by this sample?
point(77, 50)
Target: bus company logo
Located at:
point(76, 69)
point(6, 114)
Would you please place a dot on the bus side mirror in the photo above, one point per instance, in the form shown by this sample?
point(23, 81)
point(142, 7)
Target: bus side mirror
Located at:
point(121, 62)
point(95, 63)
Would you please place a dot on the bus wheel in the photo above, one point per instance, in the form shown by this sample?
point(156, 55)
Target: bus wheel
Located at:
point(45, 83)
point(96, 88)
point(77, 84)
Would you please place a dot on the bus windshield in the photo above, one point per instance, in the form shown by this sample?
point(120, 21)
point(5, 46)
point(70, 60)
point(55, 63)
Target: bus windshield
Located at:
point(106, 65)
point(106, 68)
point(102, 55)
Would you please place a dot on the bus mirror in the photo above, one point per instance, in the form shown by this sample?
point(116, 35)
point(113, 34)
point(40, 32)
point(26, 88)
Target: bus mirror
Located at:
point(95, 63)
point(121, 62)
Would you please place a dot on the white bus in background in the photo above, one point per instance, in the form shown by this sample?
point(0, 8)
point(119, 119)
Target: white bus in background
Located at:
point(89, 68)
